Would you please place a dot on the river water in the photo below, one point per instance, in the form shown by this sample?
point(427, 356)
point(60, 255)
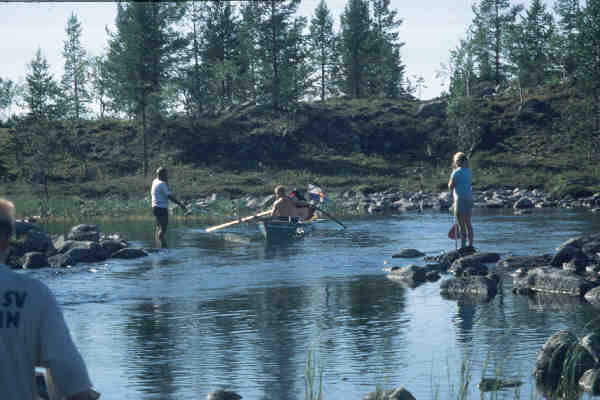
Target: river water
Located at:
point(225, 310)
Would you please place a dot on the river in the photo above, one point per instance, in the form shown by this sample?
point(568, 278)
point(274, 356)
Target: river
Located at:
point(224, 310)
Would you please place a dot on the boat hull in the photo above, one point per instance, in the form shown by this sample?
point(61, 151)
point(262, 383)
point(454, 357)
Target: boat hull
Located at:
point(282, 229)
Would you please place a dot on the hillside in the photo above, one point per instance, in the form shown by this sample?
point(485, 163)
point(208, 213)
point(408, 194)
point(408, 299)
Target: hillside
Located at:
point(363, 144)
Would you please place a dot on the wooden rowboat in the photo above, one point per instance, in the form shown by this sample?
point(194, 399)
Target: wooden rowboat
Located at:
point(283, 228)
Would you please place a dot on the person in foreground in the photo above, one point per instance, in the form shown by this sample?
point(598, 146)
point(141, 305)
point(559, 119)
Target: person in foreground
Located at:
point(286, 207)
point(160, 204)
point(33, 333)
point(460, 184)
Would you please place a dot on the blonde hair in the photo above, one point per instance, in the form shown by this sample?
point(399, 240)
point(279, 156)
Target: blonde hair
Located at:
point(280, 191)
point(460, 159)
point(7, 218)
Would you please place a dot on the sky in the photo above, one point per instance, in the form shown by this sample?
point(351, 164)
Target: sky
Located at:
point(430, 29)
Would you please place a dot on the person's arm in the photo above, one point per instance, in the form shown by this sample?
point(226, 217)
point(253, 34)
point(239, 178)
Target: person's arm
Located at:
point(174, 200)
point(275, 211)
point(59, 354)
point(451, 181)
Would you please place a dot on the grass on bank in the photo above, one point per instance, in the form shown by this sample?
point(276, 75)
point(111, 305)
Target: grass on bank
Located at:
point(128, 196)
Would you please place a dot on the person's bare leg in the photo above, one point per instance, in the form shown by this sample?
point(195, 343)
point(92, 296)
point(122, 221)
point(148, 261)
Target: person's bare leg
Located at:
point(462, 225)
point(161, 241)
point(470, 234)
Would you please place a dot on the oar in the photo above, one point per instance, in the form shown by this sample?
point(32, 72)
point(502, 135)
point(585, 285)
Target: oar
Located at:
point(330, 216)
point(214, 228)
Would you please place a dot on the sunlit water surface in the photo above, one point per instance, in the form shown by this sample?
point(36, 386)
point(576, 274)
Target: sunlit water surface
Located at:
point(224, 310)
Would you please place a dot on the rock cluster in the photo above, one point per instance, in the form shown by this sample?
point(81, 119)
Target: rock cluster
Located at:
point(83, 244)
point(565, 363)
point(390, 201)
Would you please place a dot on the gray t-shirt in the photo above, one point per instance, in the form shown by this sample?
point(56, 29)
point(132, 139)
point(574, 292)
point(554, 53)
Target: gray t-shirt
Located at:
point(462, 178)
point(33, 333)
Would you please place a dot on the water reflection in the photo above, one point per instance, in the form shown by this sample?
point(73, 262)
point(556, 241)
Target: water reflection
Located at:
point(152, 356)
point(230, 311)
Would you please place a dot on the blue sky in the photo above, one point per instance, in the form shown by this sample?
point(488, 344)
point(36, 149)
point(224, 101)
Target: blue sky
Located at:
point(430, 30)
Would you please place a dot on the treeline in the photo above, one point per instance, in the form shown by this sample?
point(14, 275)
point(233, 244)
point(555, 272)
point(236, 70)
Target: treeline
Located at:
point(518, 49)
point(199, 57)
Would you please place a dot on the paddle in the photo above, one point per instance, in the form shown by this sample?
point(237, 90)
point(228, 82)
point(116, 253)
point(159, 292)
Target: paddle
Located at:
point(330, 216)
point(214, 228)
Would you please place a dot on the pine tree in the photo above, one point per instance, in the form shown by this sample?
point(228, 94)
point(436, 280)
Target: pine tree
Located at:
point(248, 54)
point(530, 46)
point(42, 91)
point(191, 75)
point(322, 46)
point(490, 30)
point(76, 66)
point(569, 12)
point(386, 69)
point(220, 49)
point(41, 140)
point(588, 57)
point(7, 95)
point(355, 52)
point(141, 58)
point(275, 27)
point(297, 70)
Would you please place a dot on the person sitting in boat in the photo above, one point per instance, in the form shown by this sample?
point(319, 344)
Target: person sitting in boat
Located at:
point(286, 207)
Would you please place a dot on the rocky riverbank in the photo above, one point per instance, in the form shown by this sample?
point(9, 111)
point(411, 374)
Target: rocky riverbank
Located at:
point(362, 203)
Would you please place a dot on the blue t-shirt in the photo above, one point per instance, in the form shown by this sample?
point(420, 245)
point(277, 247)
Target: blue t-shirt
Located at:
point(462, 178)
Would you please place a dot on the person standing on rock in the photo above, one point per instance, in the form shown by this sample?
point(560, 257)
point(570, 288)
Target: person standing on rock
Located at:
point(160, 204)
point(460, 184)
point(33, 333)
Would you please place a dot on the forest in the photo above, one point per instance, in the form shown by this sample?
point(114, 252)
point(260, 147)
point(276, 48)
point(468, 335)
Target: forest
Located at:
point(251, 86)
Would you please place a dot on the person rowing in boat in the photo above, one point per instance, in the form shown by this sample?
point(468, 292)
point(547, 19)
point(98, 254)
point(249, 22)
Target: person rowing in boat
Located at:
point(284, 206)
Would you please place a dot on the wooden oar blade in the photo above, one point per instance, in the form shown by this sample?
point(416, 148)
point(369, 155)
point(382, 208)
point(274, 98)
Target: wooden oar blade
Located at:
point(237, 221)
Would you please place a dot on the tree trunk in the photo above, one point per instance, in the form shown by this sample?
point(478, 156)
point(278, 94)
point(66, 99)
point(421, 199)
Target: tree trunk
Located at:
point(144, 141)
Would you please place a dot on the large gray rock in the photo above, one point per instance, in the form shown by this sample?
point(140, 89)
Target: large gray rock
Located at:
point(92, 252)
point(446, 259)
point(468, 266)
point(593, 296)
point(412, 275)
point(112, 246)
point(22, 227)
point(129, 253)
point(512, 263)
point(34, 260)
point(523, 203)
point(591, 343)
point(408, 253)
point(84, 232)
point(486, 286)
point(590, 381)
point(394, 394)
point(37, 241)
point(223, 394)
point(566, 254)
point(551, 357)
point(551, 280)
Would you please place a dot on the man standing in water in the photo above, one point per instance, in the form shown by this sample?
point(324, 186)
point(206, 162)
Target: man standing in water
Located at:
point(33, 333)
point(160, 204)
